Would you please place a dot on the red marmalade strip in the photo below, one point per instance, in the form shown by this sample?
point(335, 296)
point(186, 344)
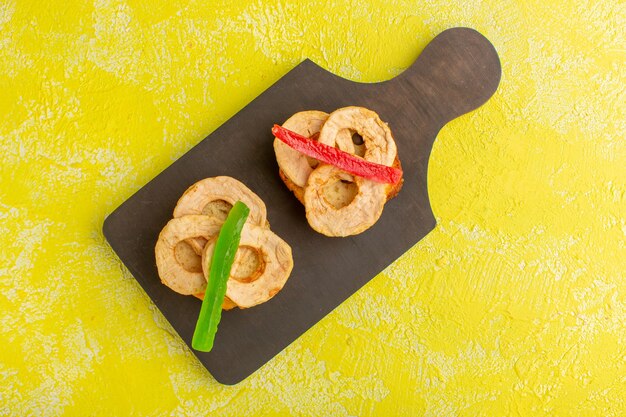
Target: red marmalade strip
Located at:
point(338, 158)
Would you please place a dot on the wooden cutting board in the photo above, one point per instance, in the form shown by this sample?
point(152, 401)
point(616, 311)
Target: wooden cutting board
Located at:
point(457, 72)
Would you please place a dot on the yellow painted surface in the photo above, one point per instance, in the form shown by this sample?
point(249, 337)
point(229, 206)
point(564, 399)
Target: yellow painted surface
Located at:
point(514, 305)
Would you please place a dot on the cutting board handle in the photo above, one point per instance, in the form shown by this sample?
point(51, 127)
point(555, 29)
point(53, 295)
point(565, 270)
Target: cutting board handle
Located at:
point(457, 72)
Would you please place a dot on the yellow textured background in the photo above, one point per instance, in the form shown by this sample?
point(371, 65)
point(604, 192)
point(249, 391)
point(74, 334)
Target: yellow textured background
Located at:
point(514, 305)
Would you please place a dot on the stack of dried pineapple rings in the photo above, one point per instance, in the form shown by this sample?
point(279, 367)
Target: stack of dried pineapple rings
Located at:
point(263, 261)
point(338, 203)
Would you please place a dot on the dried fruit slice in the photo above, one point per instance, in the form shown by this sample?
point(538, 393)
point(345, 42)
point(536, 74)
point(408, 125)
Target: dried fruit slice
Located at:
point(171, 269)
point(293, 165)
point(261, 268)
point(336, 210)
point(377, 145)
point(215, 197)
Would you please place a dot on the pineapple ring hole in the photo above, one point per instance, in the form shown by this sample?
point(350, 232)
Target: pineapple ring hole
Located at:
point(187, 258)
point(249, 264)
point(359, 143)
point(340, 193)
point(218, 209)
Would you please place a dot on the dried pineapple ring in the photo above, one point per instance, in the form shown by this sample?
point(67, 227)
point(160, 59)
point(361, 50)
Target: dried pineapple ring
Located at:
point(294, 165)
point(251, 283)
point(215, 197)
point(172, 272)
point(332, 211)
point(378, 143)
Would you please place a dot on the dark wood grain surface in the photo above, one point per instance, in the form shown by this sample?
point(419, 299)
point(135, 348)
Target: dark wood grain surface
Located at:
point(457, 72)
